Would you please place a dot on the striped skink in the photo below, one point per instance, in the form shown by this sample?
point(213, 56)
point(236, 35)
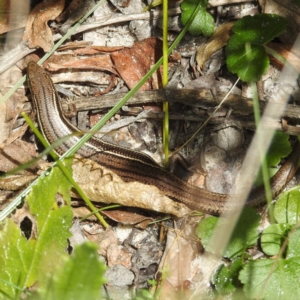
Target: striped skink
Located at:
point(134, 166)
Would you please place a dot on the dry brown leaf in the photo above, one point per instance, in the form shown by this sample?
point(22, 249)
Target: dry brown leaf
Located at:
point(16, 182)
point(177, 259)
point(15, 154)
point(100, 63)
point(91, 50)
point(37, 33)
point(216, 42)
point(127, 217)
point(134, 62)
point(102, 185)
point(73, 45)
point(287, 9)
point(66, 61)
point(82, 212)
point(18, 133)
point(57, 62)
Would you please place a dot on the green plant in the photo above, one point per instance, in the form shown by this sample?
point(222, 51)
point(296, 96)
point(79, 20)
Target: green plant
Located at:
point(203, 22)
point(43, 258)
point(274, 276)
point(246, 52)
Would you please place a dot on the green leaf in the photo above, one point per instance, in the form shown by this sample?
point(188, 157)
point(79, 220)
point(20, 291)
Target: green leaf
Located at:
point(293, 244)
point(226, 278)
point(246, 55)
point(81, 276)
point(287, 207)
point(271, 279)
point(54, 219)
point(205, 230)
point(203, 22)
point(273, 237)
point(22, 262)
point(15, 259)
point(243, 60)
point(279, 148)
point(244, 235)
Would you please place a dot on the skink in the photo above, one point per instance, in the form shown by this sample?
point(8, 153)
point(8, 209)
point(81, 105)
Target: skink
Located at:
point(134, 166)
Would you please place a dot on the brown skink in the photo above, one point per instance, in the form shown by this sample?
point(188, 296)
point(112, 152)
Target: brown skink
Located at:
point(134, 166)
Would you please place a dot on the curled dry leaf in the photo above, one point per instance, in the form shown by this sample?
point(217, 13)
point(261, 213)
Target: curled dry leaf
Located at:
point(102, 185)
point(37, 33)
point(216, 42)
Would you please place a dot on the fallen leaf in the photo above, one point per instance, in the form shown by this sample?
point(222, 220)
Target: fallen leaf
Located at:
point(177, 262)
point(91, 50)
point(127, 217)
point(37, 32)
point(100, 63)
point(73, 45)
point(134, 62)
point(16, 182)
point(82, 212)
point(216, 42)
point(15, 154)
point(102, 185)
